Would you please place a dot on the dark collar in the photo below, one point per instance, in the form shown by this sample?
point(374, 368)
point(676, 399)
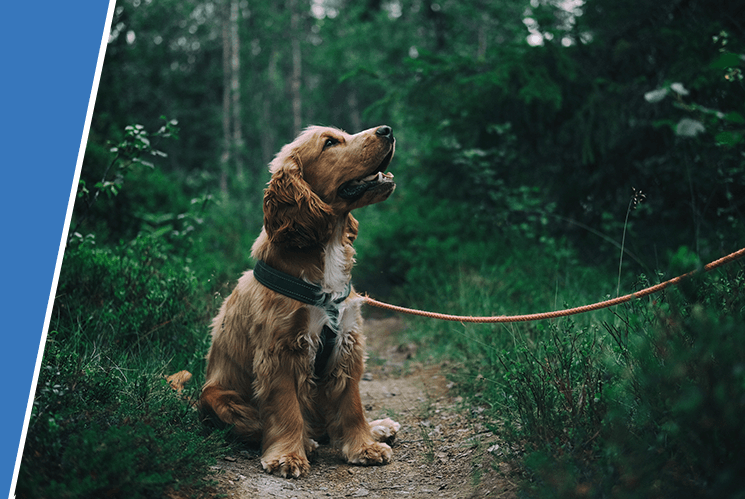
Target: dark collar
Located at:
point(311, 294)
point(298, 289)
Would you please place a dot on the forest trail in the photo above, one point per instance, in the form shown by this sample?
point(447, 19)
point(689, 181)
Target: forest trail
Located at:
point(437, 452)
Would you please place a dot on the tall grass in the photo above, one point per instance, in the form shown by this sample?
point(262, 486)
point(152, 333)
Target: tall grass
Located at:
point(642, 400)
point(104, 421)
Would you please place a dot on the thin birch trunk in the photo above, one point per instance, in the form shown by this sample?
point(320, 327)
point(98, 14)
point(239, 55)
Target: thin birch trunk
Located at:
point(297, 116)
point(235, 89)
point(226, 101)
point(354, 111)
point(268, 142)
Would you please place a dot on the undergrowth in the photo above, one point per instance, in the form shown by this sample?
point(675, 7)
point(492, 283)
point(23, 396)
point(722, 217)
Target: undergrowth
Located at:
point(642, 400)
point(104, 422)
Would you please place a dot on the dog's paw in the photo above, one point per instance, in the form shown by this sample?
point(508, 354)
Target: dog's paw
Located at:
point(310, 447)
point(371, 453)
point(384, 430)
point(290, 465)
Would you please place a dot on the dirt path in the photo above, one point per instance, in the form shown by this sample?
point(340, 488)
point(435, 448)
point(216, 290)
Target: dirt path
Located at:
point(437, 453)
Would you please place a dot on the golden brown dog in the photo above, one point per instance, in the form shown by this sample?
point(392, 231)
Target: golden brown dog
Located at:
point(263, 372)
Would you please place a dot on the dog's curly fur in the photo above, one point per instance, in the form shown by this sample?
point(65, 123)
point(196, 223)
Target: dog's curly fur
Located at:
point(260, 368)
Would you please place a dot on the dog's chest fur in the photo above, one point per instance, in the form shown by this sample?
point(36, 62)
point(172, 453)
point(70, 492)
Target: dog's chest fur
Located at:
point(338, 261)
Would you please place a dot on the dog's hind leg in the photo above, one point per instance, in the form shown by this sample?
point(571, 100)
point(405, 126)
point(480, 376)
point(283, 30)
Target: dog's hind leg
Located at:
point(227, 407)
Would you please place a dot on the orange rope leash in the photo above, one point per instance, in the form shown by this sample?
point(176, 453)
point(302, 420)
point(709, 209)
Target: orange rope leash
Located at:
point(558, 313)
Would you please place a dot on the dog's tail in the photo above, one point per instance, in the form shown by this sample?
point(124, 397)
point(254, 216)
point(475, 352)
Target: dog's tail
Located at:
point(179, 380)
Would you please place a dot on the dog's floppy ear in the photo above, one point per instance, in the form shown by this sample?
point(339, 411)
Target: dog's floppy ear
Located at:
point(293, 214)
point(352, 228)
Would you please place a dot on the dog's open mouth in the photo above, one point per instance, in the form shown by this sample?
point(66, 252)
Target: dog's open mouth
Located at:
point(355, 189)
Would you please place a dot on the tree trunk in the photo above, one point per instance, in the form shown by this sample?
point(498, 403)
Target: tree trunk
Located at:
point(226, 101)
point(297, 116)
point(354, 111)
point(231, 96)
point(481, 51)
point(235, 89)
point(268, 134)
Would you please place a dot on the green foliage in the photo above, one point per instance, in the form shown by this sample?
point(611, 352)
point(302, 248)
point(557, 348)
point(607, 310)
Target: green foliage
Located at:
point(123, 158)
point(455, 209)
point(584, 134)
point(219, 247)
point(643, 400)
point(478, 112)
point(96, 433)
point(128, 299)
point(684, 373)
point(104, 421)
point(514, 164)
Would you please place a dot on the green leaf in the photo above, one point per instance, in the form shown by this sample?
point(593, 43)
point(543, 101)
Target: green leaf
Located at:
point(734, 117)
point(726, 60)
point(728, 138)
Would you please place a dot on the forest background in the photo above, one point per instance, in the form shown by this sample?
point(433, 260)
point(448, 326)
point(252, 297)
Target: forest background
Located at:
point(549, 153)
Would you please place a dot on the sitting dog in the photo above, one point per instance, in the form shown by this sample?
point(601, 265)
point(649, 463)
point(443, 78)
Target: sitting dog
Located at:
point(287, 351)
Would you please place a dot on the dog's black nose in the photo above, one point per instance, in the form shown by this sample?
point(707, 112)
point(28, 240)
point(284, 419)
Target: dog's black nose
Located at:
point(385, 131)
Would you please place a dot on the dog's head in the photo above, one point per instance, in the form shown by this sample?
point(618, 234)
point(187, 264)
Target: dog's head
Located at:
point(320, 177)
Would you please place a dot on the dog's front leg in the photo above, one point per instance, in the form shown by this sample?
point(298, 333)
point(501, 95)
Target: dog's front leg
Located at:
point(286, 438)
point(349, 429)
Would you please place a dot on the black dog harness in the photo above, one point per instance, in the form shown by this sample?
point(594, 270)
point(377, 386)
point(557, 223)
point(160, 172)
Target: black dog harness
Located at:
point(310, 294)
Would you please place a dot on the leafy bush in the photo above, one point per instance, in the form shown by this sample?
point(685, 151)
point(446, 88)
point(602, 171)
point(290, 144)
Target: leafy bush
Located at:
point(101, 434)
point(129, 299)
point(103, 205)
point(677, 426)
point(104, 421)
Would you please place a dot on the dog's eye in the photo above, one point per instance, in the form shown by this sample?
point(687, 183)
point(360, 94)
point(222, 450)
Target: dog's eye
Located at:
point(330, 142)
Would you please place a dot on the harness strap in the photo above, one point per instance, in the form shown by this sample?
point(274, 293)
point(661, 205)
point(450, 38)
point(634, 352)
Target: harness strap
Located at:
point(310, 294)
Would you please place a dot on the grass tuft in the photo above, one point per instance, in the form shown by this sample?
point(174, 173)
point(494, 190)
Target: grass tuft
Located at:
point(104, 422)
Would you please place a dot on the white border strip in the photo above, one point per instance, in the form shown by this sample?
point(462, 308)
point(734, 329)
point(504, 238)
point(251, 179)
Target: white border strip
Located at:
point(63, 242)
